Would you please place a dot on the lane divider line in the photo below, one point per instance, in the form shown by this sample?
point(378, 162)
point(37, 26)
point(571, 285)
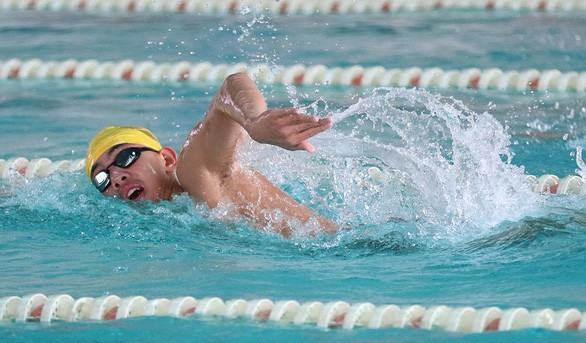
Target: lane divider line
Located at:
point(288, 7)
point(472, 78)
point(331, 315)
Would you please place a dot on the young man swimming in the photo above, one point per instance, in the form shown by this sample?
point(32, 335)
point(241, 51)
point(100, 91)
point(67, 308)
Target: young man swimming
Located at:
point(130, 163)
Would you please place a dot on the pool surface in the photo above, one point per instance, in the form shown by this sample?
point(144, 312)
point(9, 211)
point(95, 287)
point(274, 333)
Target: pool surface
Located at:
point(452, 221)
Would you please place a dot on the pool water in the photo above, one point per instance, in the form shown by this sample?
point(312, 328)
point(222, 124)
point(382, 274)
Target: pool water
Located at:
point(454, 222)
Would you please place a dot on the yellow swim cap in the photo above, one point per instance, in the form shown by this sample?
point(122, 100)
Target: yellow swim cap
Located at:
point(115, 135)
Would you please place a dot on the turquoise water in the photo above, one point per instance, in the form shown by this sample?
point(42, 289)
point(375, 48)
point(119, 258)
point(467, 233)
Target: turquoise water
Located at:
point(454, 225)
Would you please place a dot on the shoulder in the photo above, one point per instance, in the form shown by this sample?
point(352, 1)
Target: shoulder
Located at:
point(199, 182)
point(192, 172)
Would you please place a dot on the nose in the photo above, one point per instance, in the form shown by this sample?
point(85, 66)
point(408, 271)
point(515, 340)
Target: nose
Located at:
point(117, 177)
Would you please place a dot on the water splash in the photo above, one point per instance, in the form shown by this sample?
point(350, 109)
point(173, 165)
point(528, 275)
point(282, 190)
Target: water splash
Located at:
point(260, 42)
point(581, 165)
point(47, 203)
point(444, 168)
point(256, 41)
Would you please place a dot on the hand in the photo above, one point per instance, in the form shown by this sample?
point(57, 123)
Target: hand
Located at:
point(288, 128)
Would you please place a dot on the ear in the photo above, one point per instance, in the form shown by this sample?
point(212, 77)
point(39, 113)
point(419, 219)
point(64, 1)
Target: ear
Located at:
point(170, 158)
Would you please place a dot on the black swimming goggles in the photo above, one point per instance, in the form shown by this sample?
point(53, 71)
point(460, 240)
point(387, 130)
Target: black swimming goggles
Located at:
point(124, 159)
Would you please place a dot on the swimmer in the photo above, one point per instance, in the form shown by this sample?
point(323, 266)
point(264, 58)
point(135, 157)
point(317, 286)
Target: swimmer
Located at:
point(130, 163)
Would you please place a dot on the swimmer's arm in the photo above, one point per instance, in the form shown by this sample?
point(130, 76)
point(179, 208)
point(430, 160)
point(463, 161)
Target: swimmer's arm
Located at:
point(270, 203)
point(208, 167)
point(208, 157)
point(240, 100)
point(237, 111)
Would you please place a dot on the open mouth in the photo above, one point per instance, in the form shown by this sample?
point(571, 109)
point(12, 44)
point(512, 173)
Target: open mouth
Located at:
point(134, 193)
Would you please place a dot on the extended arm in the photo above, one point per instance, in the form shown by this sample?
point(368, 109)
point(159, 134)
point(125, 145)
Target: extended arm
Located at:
point(240, 99)
point(208, 167)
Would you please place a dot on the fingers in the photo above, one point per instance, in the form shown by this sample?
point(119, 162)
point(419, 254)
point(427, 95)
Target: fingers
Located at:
point(297, 117)
point(305, 145)
point(308, 128)
point(299, 123)
point(306, 134)
point(290, 113)
point(290, 128)
point(300, 141)
point(294, 116)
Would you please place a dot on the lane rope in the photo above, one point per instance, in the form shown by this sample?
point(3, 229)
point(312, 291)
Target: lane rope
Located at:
point(38, 167)
point(43, 167)
point(331, 315)
point(472, 78)
point(547, 183)
point(285, 7)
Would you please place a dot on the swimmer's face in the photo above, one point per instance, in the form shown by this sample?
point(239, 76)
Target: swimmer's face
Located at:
point(149, 177)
